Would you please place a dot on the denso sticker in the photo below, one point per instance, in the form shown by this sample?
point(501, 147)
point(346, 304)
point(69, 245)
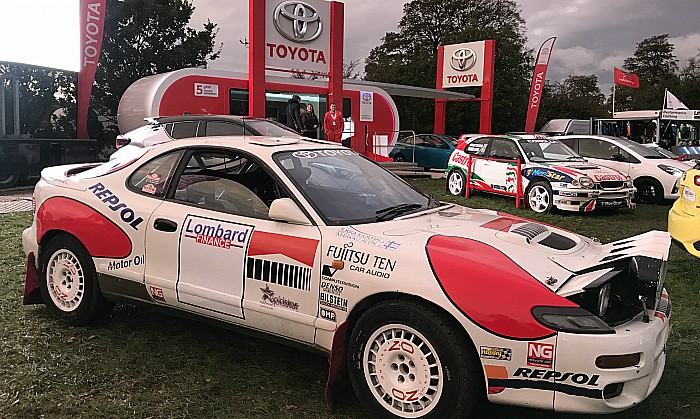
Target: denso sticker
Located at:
point(540, 354)
point(327, 275)
point(113, 202)
point(354, 235)
point(491, 352)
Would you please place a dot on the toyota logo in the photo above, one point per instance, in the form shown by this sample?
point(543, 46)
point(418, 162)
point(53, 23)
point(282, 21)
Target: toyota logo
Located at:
point(297, 21)
point(463, 59)
point(366, 97)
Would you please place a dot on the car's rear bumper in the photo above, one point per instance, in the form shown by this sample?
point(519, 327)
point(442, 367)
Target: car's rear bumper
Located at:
point(684, 228)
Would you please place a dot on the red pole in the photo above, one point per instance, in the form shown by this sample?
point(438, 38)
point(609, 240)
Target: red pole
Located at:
point(335, 79)
point(486, 111)
point(440, 104)
point(518, 187)
point(256, 59)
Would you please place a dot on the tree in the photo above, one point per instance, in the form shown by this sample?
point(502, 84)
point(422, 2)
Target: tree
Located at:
point(142, 38)
point(577, 97)
point(656, 66)
point(690, 83)
point(409, 56)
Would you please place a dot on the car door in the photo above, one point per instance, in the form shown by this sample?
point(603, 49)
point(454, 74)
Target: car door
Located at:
point(500, 174)
point(478, 148)
point(605, 153)
point(211, 248)
point(439, 153)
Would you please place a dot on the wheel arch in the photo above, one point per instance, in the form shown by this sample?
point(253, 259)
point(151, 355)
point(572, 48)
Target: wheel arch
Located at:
point(337, 371)
point(649, 178)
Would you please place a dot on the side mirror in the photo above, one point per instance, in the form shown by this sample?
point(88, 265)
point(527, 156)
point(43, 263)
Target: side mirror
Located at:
point(286, 210)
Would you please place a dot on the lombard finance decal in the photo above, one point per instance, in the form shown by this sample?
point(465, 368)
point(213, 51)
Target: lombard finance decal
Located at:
point(211, 262)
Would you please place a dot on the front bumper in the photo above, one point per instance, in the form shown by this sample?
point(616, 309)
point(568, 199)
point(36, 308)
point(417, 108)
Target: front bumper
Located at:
point(587, 200)
point(614, 389)
point(684, 228)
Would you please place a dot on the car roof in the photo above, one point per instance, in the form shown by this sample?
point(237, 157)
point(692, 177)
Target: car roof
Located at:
point(192, 117)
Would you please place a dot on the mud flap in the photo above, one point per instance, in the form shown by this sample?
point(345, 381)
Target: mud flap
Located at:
point(337, 365)
point(32, 295)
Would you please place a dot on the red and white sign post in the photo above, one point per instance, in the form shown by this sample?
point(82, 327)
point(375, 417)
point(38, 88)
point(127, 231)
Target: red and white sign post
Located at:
point(538, 78)
point(465, 65)
point(92, 19)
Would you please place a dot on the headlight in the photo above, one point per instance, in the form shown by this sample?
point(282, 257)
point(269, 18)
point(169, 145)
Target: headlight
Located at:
point(673, 171)
point(586, 182)
point(650, 274)
point(571, 320)
point(628, 182)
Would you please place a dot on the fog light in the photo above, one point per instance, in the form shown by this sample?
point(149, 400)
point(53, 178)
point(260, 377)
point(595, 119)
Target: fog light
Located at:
point(612, 390)
point(618, 361)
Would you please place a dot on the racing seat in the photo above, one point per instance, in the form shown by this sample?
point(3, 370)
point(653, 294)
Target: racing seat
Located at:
point(299, 174)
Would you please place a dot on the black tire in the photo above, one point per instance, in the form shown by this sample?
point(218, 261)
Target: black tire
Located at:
point(649, 191)
point(68, 282)
point(395, 335)
point(539, 197)
point(399, 158)
point(8, 181)
point(456, 182)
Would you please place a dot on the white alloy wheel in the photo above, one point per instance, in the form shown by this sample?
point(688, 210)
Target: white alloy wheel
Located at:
point(456, 183)
point(539, 198)
point(402, 371)
point(65, 280)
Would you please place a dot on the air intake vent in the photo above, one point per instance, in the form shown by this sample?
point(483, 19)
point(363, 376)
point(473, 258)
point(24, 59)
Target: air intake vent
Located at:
point(530, 230)
point(557, 242)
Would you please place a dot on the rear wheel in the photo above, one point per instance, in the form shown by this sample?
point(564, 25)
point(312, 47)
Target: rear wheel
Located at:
point(8, 181)
point(456, 183)
point(649, 191)
point(540, 197)
point(68, 282)
point(407, 361)
point(399, 158)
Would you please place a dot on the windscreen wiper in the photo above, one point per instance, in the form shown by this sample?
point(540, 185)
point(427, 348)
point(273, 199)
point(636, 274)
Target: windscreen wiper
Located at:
point(395, 210)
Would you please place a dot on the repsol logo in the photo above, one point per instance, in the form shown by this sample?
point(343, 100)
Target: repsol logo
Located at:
point(577, 378)
point(114, 203)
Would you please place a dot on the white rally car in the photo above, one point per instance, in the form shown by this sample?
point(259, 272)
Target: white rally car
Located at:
point(553, 175)
point(427, 306)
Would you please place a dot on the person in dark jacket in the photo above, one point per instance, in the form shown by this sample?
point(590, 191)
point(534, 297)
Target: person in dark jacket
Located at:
point(310, 121)
point(294, 115)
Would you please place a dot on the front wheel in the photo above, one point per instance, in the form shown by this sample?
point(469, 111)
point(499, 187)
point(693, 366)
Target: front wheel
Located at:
point(399, 158)
point(407, 361)
point(8, 181)
point(456, 183)
point(540, 197)
point(68, 282)
point(649, 191)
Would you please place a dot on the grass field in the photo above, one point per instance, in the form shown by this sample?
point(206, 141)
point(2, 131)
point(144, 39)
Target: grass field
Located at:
point(144, 364)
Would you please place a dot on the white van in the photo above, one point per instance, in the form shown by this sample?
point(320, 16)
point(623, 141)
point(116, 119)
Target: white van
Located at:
point(566, 127)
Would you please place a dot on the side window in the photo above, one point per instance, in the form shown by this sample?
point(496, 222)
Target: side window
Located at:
point(153, 177)
point(184, 129)
point(570, 142)
point(503, 149)
point(227, 182)
point(597, 149)
point(478, 147)
point(215, 128)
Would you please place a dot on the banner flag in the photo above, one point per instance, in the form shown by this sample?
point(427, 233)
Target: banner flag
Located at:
point(624, 78)
point(538, 77)
point(92, 19)
point(672, 102)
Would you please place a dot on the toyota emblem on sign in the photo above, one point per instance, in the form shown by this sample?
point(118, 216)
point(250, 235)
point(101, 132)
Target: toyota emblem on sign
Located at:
point(366, 97)
point(297, 21)
point(463, 59)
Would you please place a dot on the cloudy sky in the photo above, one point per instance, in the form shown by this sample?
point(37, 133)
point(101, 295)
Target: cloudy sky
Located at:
point(593, 36)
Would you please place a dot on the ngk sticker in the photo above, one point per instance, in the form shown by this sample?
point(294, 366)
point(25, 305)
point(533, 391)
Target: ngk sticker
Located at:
point(540, 355)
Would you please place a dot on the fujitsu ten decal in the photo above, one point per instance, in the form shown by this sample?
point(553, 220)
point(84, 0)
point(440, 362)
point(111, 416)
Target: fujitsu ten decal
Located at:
point(114, 203)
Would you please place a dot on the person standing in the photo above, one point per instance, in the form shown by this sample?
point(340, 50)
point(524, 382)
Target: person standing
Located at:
point(333, 124)
point(293, 114)
point(310, 121)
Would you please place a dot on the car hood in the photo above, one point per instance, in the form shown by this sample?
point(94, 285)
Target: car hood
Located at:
point(551, 255)
point(580, 169)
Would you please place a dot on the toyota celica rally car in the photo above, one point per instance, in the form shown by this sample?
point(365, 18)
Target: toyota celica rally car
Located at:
point(427, 306)
point(552, 175)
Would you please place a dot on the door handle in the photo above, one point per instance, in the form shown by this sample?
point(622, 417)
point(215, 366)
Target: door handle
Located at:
point(165, 225)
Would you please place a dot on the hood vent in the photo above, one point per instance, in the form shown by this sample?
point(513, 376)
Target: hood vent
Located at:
point(530, 230)
point(557, 242)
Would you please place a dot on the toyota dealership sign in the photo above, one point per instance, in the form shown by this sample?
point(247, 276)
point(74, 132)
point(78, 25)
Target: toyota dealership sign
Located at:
point(463, 65)
point(297, 35)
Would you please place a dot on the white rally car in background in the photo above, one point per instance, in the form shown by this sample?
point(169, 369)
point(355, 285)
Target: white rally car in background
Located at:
point(655, 175)
point(428, 306)
point(553, 175)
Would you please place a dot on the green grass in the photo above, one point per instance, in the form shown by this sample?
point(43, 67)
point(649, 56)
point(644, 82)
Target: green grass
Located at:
point(141, 363)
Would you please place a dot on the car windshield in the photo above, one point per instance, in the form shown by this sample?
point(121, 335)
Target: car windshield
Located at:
point(346, 188)
point(269, 128)
point(644, 151)
point(548, 150)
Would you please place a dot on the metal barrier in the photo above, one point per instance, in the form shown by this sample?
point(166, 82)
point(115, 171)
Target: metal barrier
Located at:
point(518, 194)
